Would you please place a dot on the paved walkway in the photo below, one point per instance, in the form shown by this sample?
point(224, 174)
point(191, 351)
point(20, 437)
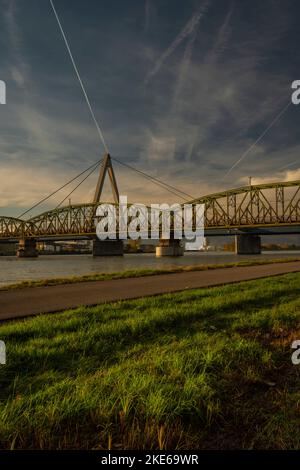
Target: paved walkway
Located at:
point(35, 300)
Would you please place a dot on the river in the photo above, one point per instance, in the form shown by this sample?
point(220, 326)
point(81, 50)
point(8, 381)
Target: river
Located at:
point(15, 269)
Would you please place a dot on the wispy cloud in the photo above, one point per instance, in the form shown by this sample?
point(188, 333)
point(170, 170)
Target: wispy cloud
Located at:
point(185, 32)
point(223, 36)
point(147, 15)
point(261, 136)
point(18, 69)
point(230, 76)
point(184, 68)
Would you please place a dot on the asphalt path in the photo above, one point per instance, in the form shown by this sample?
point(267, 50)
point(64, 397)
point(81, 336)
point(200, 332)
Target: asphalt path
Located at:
point(37, 300)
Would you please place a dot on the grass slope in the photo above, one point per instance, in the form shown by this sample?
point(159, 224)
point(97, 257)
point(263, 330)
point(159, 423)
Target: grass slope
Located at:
point(205, 369)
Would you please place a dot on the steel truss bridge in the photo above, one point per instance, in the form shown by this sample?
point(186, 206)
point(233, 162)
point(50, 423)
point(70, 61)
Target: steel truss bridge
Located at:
point(261, 209)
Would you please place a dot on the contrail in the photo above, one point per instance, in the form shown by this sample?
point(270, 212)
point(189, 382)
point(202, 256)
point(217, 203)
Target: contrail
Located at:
point(259, 138)
point(184, 67)
point(22, 74)
point(147, 15)
point(186, 31)
point(288, 165)
point(222, 37)
point(79, 79)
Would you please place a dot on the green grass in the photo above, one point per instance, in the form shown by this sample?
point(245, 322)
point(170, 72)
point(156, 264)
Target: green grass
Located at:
point(140, 273)
point(205, 369)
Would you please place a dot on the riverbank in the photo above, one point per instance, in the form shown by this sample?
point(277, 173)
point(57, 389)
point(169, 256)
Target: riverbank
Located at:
point(15, 270)
point(201, 369)
point(140, 273)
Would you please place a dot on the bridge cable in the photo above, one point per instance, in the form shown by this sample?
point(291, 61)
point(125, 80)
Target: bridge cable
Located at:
point(79, 79)
point(168, 187)
point(93, 168)
point(61, 187)
point(77, 186)
point(160, 183)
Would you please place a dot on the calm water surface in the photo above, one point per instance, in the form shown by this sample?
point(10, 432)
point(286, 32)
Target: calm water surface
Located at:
point(14, 269)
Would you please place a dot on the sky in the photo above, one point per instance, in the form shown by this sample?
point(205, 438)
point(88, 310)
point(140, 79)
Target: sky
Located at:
point(181, 90)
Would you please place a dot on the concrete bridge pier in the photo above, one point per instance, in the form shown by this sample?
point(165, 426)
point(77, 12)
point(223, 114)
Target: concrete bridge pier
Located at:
point(169, 247)
point(27, 248)
point(107, 247)
point(247, 244)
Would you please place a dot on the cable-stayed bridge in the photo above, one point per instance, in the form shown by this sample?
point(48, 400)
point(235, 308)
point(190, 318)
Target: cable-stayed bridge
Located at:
point(245, 212)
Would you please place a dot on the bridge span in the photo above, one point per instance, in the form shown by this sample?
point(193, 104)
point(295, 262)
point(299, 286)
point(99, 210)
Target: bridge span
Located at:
point(246, 212)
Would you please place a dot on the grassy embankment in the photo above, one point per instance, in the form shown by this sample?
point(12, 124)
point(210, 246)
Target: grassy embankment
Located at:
point(208, 368)
point(140, 273)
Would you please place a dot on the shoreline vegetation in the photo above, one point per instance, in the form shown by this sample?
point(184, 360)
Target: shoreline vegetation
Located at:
point(200, 369)
point(139, 273)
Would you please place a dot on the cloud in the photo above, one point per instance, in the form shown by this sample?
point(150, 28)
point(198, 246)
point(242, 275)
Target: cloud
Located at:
point(184, 68)
point(199, 115)
point(279, 176)
point(185, 32)
point(223, 36)
point(19, 188)
point(147, 15)
point(18, 68)
point(266, 130)
point(162, 148)
point(12, 27)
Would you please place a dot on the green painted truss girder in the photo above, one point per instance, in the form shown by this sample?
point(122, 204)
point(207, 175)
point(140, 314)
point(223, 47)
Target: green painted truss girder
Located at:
point(273, 205)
